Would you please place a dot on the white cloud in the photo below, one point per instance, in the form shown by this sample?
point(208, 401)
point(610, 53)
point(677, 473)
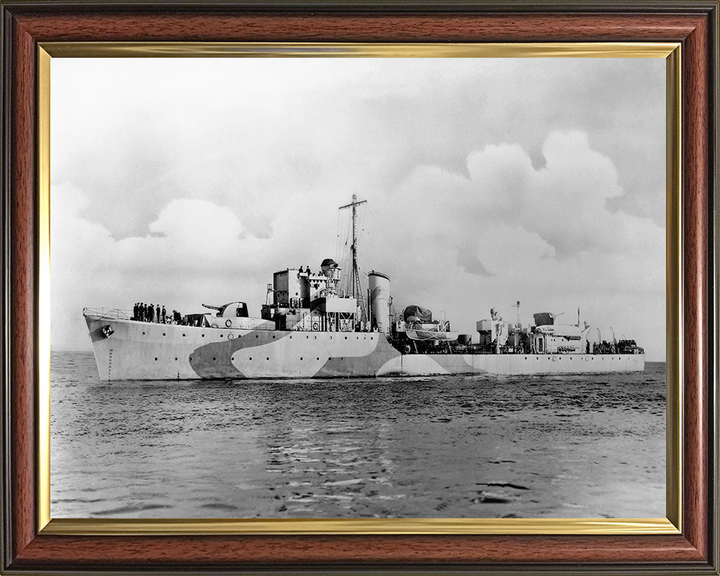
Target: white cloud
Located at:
point(487, 182)
point(510, 232)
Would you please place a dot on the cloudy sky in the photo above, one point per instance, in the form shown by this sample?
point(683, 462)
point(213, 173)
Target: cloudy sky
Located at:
point(182, 181)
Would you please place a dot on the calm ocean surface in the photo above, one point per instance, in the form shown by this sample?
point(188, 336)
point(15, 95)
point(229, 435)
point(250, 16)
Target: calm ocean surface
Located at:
point(445, 447)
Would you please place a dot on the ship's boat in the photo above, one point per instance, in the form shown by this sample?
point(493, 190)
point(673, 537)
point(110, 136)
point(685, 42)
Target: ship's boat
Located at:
point(433, 333)
point(311, 327)
point(419, 325)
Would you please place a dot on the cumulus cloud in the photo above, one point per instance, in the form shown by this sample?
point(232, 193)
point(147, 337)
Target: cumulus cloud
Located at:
point(191, 252)
point(511, 231)
point(487, 182)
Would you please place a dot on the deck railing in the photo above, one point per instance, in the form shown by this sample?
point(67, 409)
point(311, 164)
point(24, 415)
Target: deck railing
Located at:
point(109, 313)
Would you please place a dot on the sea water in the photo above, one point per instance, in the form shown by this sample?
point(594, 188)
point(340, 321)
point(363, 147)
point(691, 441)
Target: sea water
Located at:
point(445, 447)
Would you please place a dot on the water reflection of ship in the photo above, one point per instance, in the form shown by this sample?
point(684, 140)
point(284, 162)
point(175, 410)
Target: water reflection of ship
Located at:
point(312, 326)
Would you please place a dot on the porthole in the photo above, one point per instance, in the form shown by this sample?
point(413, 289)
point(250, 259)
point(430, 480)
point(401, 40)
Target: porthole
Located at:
point(175, 359)
point(143, 333)
point(257, 335)
point(214, 359)
point(163, 333)
point(183, 334)
point(203, 335)
point(318, 358)
point(268, 358)
point(221, 335)
point(273, 336)
point(300, 357)
point(345, 337)
point(250, 358)
point(155, 359)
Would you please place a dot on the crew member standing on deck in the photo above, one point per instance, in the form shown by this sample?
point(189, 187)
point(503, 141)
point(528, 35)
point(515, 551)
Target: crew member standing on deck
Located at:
point(151, 313)
point(158, 314)
point(164, 314)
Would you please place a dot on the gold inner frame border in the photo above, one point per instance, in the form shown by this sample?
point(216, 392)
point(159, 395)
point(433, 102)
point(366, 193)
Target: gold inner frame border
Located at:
point(670, 51)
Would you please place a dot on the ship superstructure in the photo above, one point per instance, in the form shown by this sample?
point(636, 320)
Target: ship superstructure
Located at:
point(311, 327)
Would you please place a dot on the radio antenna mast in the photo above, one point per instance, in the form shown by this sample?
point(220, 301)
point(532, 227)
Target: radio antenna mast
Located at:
point(354, 274)
point(518, 312)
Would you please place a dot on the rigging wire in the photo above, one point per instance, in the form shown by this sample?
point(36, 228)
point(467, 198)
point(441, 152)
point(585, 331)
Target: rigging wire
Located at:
point(344, 255)
point(360, 231)
point(337, 238)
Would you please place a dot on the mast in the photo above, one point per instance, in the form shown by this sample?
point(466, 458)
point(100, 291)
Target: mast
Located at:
point(355, 274)
point(517, 321)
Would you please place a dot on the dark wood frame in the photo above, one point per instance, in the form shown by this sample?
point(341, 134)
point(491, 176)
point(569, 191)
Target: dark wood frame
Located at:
point(694, 24)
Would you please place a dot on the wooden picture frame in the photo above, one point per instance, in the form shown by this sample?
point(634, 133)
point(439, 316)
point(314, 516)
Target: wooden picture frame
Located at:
point(29, 546)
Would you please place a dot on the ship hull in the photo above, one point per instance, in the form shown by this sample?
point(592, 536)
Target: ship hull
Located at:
point(149, 351)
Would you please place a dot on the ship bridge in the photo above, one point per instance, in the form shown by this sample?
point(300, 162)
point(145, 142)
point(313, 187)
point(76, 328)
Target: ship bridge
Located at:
point(300, 299)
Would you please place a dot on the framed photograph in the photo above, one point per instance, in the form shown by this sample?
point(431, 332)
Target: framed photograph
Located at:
point(360, 288)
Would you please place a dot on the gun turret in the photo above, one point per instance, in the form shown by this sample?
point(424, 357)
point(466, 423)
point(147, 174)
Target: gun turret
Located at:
point(233, 309)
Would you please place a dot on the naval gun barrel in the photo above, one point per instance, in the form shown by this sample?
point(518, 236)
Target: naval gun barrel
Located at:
point(211, 307)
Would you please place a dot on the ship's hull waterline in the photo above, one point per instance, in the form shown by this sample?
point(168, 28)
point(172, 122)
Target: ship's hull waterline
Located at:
point(150, 351)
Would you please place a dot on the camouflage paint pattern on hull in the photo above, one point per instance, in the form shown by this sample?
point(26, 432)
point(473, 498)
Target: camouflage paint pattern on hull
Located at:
point(512, 364)
point(148, 351)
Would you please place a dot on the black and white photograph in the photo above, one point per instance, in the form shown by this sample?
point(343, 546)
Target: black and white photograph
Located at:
point(317, 287)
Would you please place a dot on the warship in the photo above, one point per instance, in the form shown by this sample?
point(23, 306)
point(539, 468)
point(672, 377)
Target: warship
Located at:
point(310, 327)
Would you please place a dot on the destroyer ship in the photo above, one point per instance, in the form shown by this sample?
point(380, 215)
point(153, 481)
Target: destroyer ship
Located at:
point(310, 327)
